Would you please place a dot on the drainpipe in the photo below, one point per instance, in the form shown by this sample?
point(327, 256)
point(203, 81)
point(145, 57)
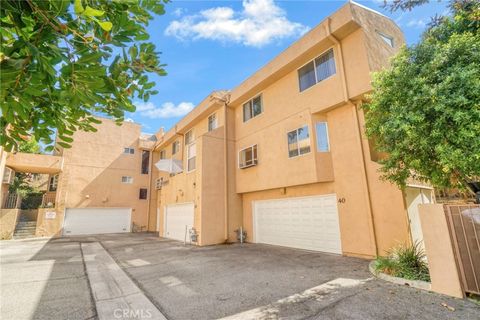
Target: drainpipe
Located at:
point(346, 98)
point(151, 187)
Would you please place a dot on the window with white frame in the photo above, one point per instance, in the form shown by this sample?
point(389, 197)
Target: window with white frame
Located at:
point(189, 137)
point(317, 70)
point(388, 39)
point(247, 157)
point(175, 147)
point(191, 157)
point(163, 154)
point(298, 142)
point(128, 150)
point(252, 108)
point(323, 144)
point(127, 179)
point(53, 183)
point(212, 122)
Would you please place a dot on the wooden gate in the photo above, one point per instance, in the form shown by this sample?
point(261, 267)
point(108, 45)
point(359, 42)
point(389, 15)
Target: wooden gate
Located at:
point(464, 226)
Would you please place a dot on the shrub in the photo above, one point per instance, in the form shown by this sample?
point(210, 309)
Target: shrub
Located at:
point(408, 262)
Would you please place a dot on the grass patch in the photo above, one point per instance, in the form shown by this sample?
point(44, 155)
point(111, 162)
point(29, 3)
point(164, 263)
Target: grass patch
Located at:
point(407, 262)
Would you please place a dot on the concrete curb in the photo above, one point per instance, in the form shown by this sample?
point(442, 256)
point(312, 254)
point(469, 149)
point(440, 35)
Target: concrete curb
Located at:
point(418, 284)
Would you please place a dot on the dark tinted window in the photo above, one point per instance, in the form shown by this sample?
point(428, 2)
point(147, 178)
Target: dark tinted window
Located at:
point(145, 161)
point(143, 194)
point(306, 76)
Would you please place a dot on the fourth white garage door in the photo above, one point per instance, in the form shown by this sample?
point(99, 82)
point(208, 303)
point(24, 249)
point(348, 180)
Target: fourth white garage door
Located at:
point(306, 223)
point(178, 220)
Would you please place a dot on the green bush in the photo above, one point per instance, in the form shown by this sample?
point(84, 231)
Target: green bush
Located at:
point(406, 262)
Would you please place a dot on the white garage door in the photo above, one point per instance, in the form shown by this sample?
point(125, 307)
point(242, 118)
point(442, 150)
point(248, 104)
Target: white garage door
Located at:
point(178, 218)
point(96, 220)
point(306, 223)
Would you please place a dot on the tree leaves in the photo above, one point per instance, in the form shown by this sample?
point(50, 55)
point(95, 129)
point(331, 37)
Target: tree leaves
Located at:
point(424, 111)
point(60, 65)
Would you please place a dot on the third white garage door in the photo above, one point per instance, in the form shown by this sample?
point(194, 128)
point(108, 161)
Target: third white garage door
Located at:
point(178, 220)
point(306, 223)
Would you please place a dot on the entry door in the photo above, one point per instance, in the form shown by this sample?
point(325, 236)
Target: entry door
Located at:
point(178, 220)
point(80, 221)
point(306, 223)
point(414, 197)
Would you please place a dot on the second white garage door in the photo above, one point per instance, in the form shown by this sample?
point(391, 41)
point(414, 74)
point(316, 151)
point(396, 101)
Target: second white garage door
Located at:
point(178, 220)
point(96, 220)
point(306, 223)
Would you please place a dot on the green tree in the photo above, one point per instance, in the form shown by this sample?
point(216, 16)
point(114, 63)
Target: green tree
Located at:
point(424, 112)
point(21, 181)
point(64, 61)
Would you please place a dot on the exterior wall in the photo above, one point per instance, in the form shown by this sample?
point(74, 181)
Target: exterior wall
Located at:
point(49, 227)
point(439, 250)
point(372, 213)
point(203, 186)
point(92, 172)
point(8, 221)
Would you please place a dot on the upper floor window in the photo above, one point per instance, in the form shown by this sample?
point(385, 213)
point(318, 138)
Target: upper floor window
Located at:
point(247, 157)
point(143, 194)
point(298, 142)
point(53, 183)
point(323, 144)
point(188, 137)
point(128, 150)
point(212, 122)
point(388, 39)
point(163, 154)
point(175, 147)
point(145, 161)
point(191, 157)
point(317, 70)
point(252, 108)
point(127, 179)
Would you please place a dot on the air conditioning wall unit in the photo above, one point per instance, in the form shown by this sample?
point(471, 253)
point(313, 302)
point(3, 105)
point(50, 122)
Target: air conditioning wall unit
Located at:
point(8, 176)
point(159, 183)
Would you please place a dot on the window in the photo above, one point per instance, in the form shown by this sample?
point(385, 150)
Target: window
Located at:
point(175, 147)
point(127, 179)
point(145, 161)
point(128, 150)
point(388, 40)
point(212, 122)
point(247, 157)
point(322, 137)
point(317, 70)
point(298, 142)
point(53, 183)
point(191, 156)
point(143, 194)
point(188, 137)
point(252, 108)
point(163, 154)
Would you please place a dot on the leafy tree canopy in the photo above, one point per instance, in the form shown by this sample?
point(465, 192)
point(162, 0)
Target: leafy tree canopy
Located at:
point(424, 111)
point(64, 61)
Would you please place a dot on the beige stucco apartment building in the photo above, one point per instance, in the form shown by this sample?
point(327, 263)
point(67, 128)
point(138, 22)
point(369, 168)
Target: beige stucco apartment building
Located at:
point(282, 157)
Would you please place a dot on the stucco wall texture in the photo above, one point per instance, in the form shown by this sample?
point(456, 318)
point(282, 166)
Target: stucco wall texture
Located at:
point(372, 214)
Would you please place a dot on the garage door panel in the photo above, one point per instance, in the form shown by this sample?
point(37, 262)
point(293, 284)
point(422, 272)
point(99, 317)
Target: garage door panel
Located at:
point(306, 223)
point(80, 221)
point(178, 218)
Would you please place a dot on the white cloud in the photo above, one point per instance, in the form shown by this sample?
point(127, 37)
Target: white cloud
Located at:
point(178, 12)
point(417, 23)
point(166, 110)
point(129, 120)
point(260, 22)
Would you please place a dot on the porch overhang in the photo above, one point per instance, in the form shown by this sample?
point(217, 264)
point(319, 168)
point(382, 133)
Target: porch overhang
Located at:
point(34, 163)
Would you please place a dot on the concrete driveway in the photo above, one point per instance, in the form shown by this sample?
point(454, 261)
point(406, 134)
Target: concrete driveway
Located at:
point(49, 280)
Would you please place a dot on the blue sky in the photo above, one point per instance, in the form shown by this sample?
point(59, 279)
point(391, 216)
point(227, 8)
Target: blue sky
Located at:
point(211, 45)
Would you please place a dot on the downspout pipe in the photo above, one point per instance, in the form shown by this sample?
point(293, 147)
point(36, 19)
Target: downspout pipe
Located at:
point(346, 99)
